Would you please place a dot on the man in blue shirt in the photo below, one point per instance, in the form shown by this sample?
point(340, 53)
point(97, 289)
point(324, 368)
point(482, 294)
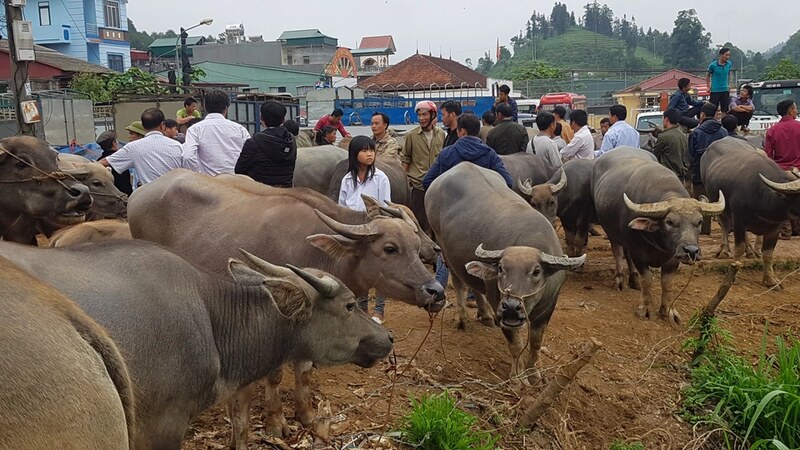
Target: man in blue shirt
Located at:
point(620, 134)
point(681, 101)
point(717, 80)
point(503, 93)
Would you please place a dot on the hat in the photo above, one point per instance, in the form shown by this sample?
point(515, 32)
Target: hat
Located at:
point(136, 127)
point(106, 136)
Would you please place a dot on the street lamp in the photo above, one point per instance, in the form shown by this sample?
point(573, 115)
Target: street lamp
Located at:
point(177, 48)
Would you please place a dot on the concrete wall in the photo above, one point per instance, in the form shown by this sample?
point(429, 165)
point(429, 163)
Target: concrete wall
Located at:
point(125, 113)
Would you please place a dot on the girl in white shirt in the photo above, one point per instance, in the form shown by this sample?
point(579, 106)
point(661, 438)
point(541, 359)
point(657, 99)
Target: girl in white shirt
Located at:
point(364, 178)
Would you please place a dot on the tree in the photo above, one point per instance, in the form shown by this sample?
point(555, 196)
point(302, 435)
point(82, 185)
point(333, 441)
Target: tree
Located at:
point(139, 39)
point(559, 19)
point(485, 64)
point(689, 44)
point(102, 87)
point(785, 69)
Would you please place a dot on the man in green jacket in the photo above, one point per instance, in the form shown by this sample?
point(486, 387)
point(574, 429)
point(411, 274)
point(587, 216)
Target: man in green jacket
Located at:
point(672, 146)
point(507, 137)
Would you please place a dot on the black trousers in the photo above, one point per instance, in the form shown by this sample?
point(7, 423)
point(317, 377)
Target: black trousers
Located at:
point(742, 117)
point(721, 99)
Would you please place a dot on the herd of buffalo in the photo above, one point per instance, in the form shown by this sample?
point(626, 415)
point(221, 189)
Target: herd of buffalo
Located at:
point(147, 311)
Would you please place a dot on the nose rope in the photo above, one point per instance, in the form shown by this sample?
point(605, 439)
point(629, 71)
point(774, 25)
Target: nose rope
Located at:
point(55, 176)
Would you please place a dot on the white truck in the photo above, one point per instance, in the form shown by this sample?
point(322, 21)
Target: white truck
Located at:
point(766, 96)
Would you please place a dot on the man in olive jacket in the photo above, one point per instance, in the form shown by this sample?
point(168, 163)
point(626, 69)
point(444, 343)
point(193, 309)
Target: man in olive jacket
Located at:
point(672, 147)
point(507, 137)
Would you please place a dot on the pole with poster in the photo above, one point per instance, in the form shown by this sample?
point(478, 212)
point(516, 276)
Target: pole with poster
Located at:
point(20, 50)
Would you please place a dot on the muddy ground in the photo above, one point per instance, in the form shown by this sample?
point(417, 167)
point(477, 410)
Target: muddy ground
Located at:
point(630, 391)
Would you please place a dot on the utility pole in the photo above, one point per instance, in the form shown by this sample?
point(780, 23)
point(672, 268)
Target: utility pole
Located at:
point(19, 70)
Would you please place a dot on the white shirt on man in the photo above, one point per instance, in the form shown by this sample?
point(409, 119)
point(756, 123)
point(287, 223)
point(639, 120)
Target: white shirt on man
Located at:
point(151, 156)
point(376, 187)
point(581, 146)
point(546, 148)
point(213, 145)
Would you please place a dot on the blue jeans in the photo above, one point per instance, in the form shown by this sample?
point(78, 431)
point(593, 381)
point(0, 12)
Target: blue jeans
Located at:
point(442, 274)
point(380, 304)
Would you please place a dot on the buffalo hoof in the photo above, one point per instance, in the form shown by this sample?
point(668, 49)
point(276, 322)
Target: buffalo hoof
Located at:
point(633, 283)
point(750, 253)
point(772, 282)
point(535, 377)
point(462, 324)
point(306, 418)
point(723, 253)
point(670, 316)
point(276, 426)
point(488, 321)
point(619, 282)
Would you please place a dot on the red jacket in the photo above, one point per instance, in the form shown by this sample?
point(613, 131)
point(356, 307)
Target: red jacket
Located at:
point(326, 121)
point(782, 143)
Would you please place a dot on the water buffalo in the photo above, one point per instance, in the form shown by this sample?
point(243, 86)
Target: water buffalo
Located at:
point(64, 383)
point(90, 231)
point(526, 166)
point(291, 226)
point(759, 196)
point(32, 189)
point(218, 336)
point(108, 202)
point(315, 166)
point(568, 195)
point(389, 165)
point(471, 210)
point(650, 219)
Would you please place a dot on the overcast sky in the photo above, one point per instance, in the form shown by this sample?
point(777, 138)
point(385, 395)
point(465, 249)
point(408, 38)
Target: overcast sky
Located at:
point(467, 28)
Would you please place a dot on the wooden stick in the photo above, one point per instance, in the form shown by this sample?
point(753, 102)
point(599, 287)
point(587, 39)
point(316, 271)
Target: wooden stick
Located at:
point(534, 408)
point(710, 309)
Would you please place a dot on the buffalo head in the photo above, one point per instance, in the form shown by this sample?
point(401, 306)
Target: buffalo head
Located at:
point(521, 274)
point(544, 197)
point(678, 220)
point(428, 249)
point(384, 254)
point(108, 201)
point(31, 184)
point(329, 328)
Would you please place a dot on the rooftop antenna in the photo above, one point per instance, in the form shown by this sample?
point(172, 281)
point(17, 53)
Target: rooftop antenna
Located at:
point(418, 46)
point(451, 53)
point(440, 51)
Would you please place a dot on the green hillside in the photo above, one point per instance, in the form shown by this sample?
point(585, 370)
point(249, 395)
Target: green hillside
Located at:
point(581, 49)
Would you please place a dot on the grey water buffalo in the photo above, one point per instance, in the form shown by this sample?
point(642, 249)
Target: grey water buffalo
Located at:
point(573, 203)
point(315, 166)
point(759, 196)
point(206, 219)
point(90, 231)
point(501, 248)
point(526, 166)
point(108, 202)
point(650, 220)
point(192, 339)
point(64, 383)
point(32, 188)
point(390, 165)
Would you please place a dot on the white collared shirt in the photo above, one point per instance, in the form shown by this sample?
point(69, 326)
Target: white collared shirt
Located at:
point(151, 156)
point(376, 187)
point(580, 147)
point(213, 145)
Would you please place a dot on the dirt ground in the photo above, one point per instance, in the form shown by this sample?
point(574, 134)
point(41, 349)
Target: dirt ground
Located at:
point(630, 391)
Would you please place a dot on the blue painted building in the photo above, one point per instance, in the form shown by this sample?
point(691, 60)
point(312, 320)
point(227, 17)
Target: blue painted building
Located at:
point(92, 30)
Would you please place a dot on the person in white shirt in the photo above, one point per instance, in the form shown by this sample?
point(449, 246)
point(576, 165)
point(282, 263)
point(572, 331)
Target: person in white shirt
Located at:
point(543, 144)
point(582, 144)
point(620, 134)
point(213, 145)
point(151, 156)
point(364, 178)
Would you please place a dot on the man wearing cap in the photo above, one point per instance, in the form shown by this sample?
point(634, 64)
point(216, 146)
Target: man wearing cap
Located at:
point(108, 142)
point(152, 156)
point(135, 131)
point(422, 146)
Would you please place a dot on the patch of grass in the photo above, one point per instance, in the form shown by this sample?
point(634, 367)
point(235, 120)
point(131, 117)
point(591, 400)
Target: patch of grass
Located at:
point(759, 405)
point(787, 265)
point(436, 423)
point(622, 445)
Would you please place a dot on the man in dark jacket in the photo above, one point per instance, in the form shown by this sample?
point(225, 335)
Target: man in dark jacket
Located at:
point(672, 145)
point(507, 137)
point(451, 111)
point(269, 156)
point(685, 104)
point(709, 131)
point(468, 148)
point(108, 142)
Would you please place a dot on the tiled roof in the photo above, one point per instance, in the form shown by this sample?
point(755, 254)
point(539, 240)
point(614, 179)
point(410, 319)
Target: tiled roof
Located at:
point(60, 61)
point(667, 81)
point(426, 70)
point(371, 42)
point(301, 34)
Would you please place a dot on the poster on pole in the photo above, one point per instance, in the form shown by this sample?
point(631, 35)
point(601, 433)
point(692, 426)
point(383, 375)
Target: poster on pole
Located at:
point(30, 111)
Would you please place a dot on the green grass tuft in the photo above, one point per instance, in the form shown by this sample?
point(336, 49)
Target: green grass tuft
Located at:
point(436, 423)
point(622, 445)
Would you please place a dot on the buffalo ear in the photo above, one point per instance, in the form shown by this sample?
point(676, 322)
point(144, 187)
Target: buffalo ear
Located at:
point(644, 224)
point(482, 270)
point(373, 207)
point(333, 244)
point(244, 275)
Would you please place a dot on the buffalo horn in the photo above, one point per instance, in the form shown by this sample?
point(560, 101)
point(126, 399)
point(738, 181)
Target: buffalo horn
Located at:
point(326, 286)
point(264, 267)
point(525, 187)
point(79, 173)
point(400, 213)
point(654, 210)
point(562, 262)
point(796, 172)
point(713, 209)
point(481, 252)
point(788, 188)
point(562, 183)
point(355, 232)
